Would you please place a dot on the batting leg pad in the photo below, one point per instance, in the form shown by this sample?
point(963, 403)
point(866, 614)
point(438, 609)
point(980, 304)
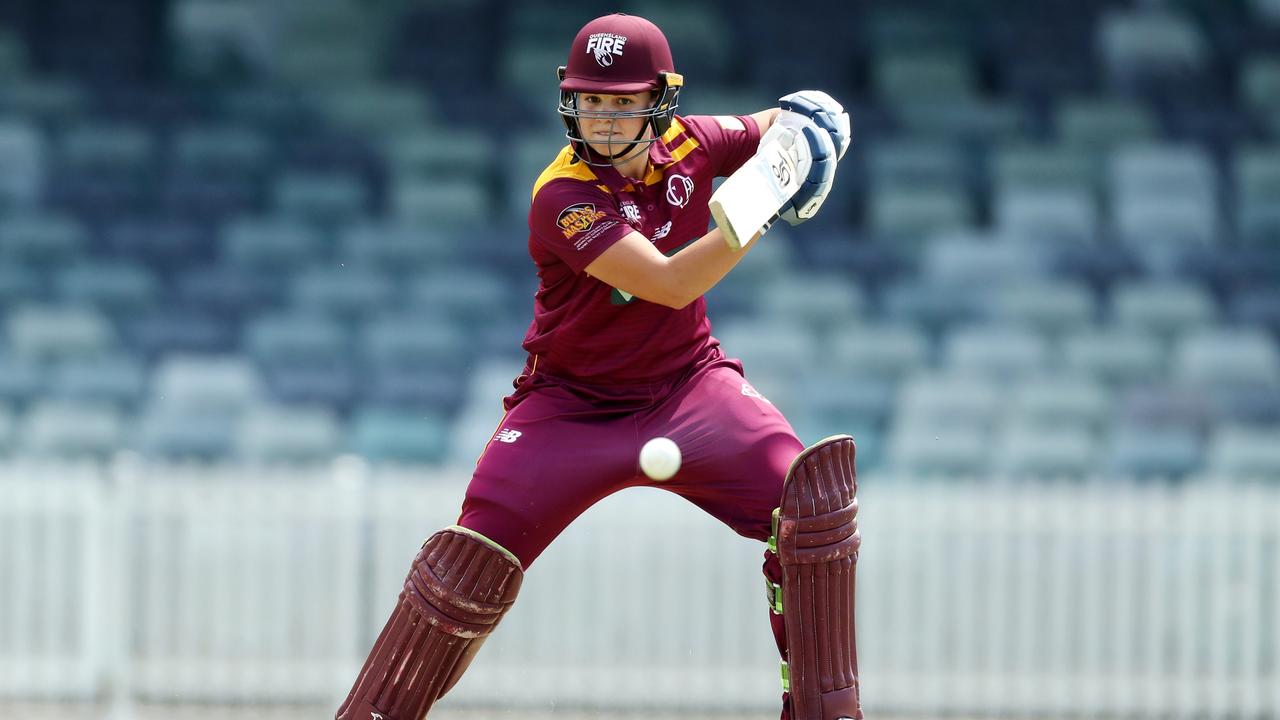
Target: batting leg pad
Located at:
point(816, 538)
point(459, 587)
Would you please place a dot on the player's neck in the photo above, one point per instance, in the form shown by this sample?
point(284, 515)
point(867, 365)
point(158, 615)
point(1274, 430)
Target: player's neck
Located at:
point(634, 168)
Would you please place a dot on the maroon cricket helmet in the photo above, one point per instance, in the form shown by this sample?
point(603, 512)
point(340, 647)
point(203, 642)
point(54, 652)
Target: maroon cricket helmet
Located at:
point(619, 55)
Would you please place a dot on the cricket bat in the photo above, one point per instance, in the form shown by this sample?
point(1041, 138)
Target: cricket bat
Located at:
point(748, 201)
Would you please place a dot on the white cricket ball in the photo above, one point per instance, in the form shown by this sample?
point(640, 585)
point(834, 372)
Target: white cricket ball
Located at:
point(660, 458)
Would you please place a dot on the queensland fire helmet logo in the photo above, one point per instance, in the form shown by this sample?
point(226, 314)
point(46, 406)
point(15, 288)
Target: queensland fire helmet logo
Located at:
point(577, 218)
point(679, 188)
point(604, 46)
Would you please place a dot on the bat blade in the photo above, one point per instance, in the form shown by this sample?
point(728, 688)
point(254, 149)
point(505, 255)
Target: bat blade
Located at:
point(749, 199)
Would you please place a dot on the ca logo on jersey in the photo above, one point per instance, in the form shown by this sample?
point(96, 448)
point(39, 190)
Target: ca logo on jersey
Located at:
point(679, 189)
point(604, 46)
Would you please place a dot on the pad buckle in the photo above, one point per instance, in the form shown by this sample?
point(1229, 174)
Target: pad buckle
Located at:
point(786, 677)
point(775, 519)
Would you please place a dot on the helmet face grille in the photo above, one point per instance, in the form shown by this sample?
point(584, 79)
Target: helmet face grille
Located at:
point(659, 116)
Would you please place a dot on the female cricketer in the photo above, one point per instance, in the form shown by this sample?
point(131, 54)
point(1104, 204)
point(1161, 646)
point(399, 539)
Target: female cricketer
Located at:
point(620, 351)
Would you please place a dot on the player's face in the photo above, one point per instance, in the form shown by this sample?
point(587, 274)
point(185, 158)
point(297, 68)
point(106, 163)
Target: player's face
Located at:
point(606, 135)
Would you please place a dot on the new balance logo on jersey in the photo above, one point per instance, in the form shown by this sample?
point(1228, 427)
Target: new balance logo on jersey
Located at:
point(662, 231)
point(377, 716)
point(604, 46)
point(507, 436)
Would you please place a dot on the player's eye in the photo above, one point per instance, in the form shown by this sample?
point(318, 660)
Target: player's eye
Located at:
point(625, 101)
point(592, 99)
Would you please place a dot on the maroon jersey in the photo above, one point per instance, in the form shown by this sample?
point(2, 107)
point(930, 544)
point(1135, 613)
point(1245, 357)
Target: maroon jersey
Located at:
point(586, 331)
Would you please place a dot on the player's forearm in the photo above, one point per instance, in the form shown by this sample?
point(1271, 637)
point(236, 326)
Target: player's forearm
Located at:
point(698, 267)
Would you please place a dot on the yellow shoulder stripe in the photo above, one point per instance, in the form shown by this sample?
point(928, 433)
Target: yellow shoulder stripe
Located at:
point(563, 167)
point(655, 174)
point(676, 128)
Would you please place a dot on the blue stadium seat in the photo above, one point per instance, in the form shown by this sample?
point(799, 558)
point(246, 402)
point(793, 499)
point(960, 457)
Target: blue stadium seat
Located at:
point(7, 430)
point(902, 78)
point(272, 433)
point(41, 238)
point(393, 247)
point(884, 350)
point(1165, 170)
point(1257, 183)
point(1155, 403)
point(177, 329)
point(330, 382)
point(346, 291)
point(443, 203)
point(118, 379)
point(1257, 307)
point(374, 108)
point(949, 451)
point(837, 398)
point(52, 331)
point(949, 399)
point(413, 341)
point(1151, 44)
point(978, 260)
point(19, 283)
point(227, 289)
point(1244, 454)
point(442, 151)
point(1113, 355)
point(1033, 168)
point(1223, 356)
point(22, 379)
point(1047, 215)
point(1059, 401)
point(273, 243)
point(116, 286)
point(471, 296)
point(212, 383)
point(911, 214)
point(162, 243)
point(1039, 452)
point(1153, 453)
point(913, 163)
point(1164, 308)
point(221, 150)
point(56, 101)
point(1049, 306)
point(64, 428)
point(22, 174)
point(1093, 124)
point(181, 432)
point(113, 149)
point(321, 197)
point(300, 334)
point(930, 305)
point(818, 300)
point(1260, 82)
point(1003, 352)
point(766, 346)
point(387, 434)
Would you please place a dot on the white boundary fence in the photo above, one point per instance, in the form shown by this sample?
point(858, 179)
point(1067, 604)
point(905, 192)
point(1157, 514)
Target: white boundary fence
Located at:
point(193, 584)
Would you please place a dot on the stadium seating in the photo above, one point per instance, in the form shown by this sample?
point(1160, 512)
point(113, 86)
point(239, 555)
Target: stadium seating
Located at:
point(308, 236)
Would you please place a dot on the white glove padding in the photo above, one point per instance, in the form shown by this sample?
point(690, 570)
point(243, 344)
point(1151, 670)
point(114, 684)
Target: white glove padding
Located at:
point(813, 191)
point(824, 111)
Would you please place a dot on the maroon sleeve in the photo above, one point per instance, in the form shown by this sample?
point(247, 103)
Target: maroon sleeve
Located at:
point(729, 139)
point(576, 221)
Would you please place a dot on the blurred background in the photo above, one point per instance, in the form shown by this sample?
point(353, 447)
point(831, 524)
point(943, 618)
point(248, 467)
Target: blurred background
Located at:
point(263, 280)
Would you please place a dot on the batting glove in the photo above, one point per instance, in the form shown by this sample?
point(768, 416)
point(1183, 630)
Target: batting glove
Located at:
point(823, 111)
